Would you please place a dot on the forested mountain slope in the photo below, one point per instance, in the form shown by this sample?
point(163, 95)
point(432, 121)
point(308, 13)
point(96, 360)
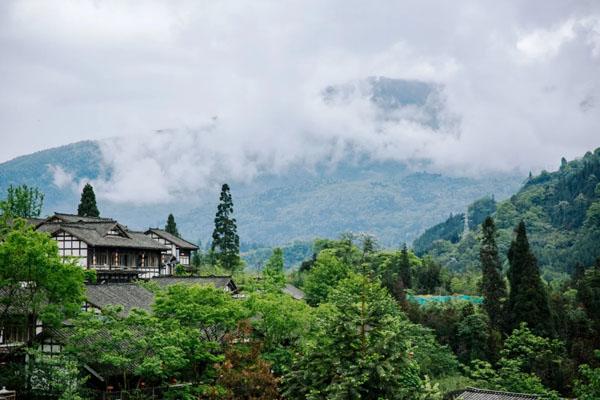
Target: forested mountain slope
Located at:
point(388, 199)
point(561, 210)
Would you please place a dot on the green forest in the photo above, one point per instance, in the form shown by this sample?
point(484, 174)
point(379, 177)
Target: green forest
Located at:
point(561, 210)
point(534, 259)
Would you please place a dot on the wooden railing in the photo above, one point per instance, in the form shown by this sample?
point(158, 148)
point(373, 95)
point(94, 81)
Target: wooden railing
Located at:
point(144, 272)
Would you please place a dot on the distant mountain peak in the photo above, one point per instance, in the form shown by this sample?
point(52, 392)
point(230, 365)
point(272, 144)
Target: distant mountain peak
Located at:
point(394, 99)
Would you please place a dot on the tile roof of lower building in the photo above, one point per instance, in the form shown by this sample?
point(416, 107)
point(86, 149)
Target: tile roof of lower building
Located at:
point(128, 295)
point(293, 291)
point(485, 394)
point(220, 282)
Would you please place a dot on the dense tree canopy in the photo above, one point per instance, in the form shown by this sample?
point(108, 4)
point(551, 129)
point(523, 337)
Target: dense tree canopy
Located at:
point(358, 349)
point(22, 201)
point(35, 283)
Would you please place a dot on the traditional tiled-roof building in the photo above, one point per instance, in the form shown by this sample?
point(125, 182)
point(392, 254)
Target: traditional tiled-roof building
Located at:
point(106, 246)
point(179, 248)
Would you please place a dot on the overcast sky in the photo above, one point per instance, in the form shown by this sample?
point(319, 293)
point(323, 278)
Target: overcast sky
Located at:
point(237, 85)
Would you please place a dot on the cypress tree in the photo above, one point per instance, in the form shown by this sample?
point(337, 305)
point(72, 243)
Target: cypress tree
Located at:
point(87, 206)
point(528, 300)
point(493, 285)
point(405, 272)
point(171, 226)
point(225, 240)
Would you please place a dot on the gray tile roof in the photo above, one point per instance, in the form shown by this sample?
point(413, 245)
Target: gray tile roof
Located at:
point(177, 241)
point(484, 394)
point(220, 282)
point(95, 233)
point(128, 295)
point(70, 218)
point(293, 291)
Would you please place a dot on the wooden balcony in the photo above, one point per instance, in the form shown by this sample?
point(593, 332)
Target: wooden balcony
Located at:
point(128, 270)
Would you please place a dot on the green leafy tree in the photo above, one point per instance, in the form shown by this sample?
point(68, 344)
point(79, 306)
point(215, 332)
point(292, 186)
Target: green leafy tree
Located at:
point(209, 311)
point(225, 240)
point(206, 315)
point(527, 364)
point(35, 283)
point(527, 301)
point(588, 387)
point(473, 338)
point(280, 322)
point(56, 376)
point(428, 276)
point(535, 355)
point(137, 345)
point(493, 286)
point(171, 226)
point(324, 276)
point(87, 205)
point(23, 201)
point(357, 350)
point(272, 274)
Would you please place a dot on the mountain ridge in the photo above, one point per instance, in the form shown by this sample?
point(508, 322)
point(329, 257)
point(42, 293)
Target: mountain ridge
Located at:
point(561, 210)
point(385, 198)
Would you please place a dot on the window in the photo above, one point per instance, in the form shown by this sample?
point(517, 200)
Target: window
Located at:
point(124, 259)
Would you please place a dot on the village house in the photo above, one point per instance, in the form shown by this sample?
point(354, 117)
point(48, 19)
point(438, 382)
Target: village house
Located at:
point(106, 246)
point(127, 295)
point(180, 250)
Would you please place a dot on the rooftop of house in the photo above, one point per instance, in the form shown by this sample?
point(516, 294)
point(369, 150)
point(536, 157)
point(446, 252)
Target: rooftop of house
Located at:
point(176, 240)
point(64, 217)
point(95, 232)
point(127, 295)
point(132, 295)
point(485, 394)
point(220, 282)
point(293, 291)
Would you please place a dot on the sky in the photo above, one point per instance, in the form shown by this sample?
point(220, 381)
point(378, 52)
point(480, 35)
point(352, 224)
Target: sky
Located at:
point(201, 91)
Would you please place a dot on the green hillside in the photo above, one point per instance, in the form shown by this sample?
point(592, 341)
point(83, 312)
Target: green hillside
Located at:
point(561, 210)
point(391, 200)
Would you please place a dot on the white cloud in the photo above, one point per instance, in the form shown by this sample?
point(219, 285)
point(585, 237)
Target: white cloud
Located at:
point(60, 177)
point(544, 43)
point(520, 85)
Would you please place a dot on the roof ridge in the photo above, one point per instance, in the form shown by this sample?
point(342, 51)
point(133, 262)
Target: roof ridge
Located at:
point(76, 215)
point(491, 391)
point(106, 221)
point(191, 276)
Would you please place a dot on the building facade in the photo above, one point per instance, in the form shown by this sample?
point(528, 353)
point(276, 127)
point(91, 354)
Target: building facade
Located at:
point(180, 250)
point(106, 246)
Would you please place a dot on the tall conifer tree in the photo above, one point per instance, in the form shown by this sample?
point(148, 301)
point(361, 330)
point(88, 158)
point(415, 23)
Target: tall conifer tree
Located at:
point(171, 226)
point(87, 206)
point(405, 272)
point(225, 240)
point(493, 285)
point(528, 300)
